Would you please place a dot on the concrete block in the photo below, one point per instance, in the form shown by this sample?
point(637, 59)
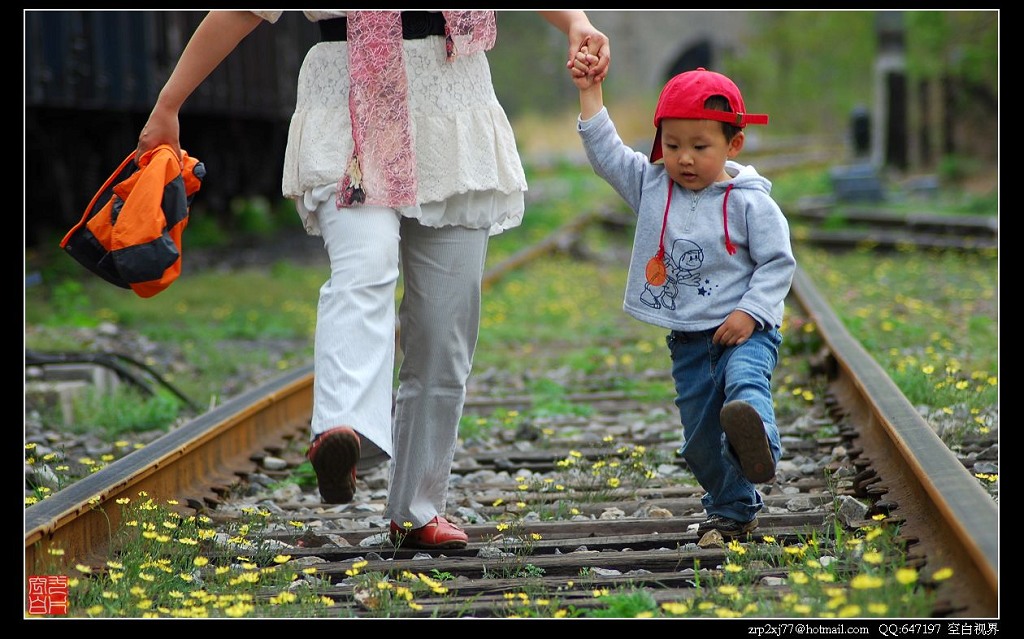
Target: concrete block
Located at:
point(857, 183)
point(59, 395)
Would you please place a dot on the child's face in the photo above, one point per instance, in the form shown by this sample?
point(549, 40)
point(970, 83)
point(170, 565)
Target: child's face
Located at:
point(695, 151)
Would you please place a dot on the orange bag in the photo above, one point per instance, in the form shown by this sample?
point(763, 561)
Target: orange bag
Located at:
point(131, 232)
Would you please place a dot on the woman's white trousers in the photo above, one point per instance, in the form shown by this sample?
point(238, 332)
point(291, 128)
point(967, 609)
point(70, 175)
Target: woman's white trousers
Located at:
point(354, 350)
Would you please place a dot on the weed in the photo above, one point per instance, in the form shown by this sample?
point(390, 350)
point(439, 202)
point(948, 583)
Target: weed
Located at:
point(159, 568)
point(121, 410)
point(441, 575)
point(71, 305)
point(479, 428)
point(50, 471)
point(627, 604)
point(516, 545)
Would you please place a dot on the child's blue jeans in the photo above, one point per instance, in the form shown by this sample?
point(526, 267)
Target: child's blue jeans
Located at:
point(706, 376)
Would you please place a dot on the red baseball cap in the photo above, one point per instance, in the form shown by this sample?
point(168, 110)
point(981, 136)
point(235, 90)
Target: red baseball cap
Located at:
point(684, 96)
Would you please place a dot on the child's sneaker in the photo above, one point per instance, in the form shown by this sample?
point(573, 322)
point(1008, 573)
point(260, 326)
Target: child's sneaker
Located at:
point(334, 455)
point(745, 431)
point(727, 527)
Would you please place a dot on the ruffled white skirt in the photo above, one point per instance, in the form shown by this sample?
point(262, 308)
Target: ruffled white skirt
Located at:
point(469, 172)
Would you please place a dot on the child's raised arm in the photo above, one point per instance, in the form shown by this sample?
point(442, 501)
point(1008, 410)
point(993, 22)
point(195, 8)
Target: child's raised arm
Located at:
point(591, 96)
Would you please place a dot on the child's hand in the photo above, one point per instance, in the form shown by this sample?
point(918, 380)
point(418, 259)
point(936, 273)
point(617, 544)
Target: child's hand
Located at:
point(580, 68)
point(736, 329)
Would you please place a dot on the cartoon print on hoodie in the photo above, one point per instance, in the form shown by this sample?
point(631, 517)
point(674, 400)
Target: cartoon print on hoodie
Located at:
point(682, 263)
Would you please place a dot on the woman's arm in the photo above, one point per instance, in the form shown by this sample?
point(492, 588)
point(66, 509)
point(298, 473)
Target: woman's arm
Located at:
point(576, 25)
point(215, 37)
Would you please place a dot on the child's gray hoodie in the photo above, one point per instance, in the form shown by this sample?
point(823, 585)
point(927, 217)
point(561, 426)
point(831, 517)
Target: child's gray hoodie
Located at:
point(705, 283)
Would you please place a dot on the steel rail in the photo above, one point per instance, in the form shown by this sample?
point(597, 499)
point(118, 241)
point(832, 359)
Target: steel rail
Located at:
point(194, 459)
point(955, 521)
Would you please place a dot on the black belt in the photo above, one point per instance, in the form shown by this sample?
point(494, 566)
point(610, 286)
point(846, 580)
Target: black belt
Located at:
point(415, 26)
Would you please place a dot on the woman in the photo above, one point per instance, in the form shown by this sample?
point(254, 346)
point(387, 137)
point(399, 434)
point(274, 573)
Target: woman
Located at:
point(401, 157)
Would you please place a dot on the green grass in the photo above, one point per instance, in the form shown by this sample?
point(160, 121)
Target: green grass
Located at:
point(929, 318)
point(219, 323)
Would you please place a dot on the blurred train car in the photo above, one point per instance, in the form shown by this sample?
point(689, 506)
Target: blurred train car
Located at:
point(91, 78)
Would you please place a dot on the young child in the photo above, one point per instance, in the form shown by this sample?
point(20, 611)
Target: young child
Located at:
point(711, 262)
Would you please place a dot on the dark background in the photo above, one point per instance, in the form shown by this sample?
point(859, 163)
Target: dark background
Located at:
point(91, 79)
point(92, 76)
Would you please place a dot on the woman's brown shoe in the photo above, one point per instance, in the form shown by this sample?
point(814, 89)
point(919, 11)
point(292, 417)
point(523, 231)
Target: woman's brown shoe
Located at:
point(334, 455)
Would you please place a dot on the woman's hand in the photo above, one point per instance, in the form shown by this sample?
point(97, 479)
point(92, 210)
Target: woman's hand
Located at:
point(584, 38)
point(161, 128)
point(215, 37)
point(576, 26)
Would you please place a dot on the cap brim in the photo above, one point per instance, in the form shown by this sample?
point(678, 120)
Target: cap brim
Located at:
point(656, 149)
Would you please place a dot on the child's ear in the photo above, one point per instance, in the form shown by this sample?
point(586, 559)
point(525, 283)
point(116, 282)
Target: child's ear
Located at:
point(736, 144)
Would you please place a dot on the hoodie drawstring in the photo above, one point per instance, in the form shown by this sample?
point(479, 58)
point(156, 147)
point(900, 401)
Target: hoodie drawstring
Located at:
point(656, 272)
point(655, 266)
point(729, 246)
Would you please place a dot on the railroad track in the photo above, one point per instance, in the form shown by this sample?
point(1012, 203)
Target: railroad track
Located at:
point(539, 521)
point(823, 222)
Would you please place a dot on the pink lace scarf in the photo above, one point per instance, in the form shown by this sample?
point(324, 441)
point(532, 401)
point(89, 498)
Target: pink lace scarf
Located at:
point(382, 169)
